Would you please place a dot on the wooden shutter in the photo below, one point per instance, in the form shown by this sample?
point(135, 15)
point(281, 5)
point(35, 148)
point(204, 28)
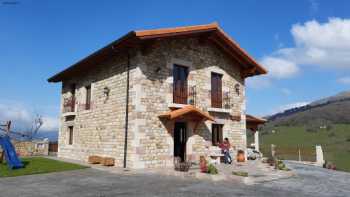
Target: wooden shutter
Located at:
point(180, 74)
point(70, 130)
point(216, 90)
point(88, 97)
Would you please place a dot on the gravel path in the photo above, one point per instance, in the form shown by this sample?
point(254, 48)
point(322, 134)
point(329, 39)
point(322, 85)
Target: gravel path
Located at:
point(310, 181)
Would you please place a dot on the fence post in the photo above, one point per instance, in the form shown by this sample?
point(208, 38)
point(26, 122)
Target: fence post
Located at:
point(319, 155)
point(273, 150)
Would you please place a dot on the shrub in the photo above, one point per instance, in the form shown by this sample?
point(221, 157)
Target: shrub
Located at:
point(240, 173)
point(212, 169)
point(281, 166)
point(348, 139)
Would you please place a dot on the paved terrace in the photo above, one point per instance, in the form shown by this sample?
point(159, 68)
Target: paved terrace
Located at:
point(308, 181)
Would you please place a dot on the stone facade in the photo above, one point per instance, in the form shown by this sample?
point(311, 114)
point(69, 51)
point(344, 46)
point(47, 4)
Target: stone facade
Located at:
point(101, 130)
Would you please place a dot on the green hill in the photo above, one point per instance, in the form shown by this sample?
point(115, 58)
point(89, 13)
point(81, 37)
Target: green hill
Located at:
point(325, 122)
point(335, 142)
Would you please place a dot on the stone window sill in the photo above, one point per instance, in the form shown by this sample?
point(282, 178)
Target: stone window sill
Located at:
point(69, 114)
point(220, 110)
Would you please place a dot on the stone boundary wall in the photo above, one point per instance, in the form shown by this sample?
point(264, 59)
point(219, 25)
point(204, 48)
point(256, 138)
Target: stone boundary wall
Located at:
point(31, 148)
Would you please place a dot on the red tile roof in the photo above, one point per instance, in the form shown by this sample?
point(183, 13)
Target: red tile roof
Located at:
point(253, 119)
point(215, 34)
point(187, 110)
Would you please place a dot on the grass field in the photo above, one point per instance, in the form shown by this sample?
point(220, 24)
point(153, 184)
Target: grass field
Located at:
point(38, 165)
point(335, 143)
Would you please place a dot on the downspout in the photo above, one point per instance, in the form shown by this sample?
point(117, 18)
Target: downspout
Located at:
point(126, 109)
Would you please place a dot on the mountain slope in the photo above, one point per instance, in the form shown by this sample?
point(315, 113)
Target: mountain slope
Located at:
point(330, 110)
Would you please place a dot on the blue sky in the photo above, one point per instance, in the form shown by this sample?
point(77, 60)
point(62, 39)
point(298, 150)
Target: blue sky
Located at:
point(303, 43)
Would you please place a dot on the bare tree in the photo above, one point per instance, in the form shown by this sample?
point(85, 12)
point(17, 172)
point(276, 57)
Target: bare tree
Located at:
point(37, 123)
point(27, 134)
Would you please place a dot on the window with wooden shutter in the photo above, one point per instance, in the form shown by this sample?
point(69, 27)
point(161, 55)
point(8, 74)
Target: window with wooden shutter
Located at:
point(88, 97)
point(180, 74)
point(70, 133)
point(216, 90)
point(216, 132)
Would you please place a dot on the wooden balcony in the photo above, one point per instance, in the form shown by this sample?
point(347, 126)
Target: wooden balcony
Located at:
point(69, 105)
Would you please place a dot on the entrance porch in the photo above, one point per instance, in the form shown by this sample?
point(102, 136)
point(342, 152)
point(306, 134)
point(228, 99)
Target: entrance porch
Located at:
point(183, 125)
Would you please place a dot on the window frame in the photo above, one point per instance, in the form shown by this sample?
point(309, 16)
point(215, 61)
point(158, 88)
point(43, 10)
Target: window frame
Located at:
point(216, 137)
point(216, 90)
point(70, 135)
point(88, 94)
point(180, 91)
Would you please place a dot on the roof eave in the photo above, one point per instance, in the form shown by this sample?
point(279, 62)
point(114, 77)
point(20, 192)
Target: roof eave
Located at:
point(168, 32)
point(59, 76)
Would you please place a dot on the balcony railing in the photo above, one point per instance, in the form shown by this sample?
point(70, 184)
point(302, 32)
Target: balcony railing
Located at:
point(69, 104)
point(227, 100)
point(222, 100)
point(192, 94)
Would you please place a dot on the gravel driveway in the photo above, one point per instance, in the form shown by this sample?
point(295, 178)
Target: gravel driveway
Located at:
point(310, 181)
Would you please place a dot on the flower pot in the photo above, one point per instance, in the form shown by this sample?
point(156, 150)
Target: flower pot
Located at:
point(240, 156)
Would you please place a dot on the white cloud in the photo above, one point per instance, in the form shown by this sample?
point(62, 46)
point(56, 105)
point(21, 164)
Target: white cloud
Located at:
point(318, 44)
point(326, 45)
point(22, 117)
point(50, 124)
point(279, 68)
point(344, 80)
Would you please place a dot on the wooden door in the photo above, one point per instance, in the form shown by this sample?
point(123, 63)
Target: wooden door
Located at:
point(180, 139)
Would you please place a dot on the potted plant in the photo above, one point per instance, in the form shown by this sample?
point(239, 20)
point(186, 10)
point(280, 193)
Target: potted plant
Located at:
point(240, 156)
point(203, 164)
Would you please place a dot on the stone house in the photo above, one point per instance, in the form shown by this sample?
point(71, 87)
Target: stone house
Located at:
point(153, 95)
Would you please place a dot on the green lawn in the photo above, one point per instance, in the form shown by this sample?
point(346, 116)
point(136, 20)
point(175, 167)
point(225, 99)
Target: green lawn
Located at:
point(38, 165)
point(335, 143)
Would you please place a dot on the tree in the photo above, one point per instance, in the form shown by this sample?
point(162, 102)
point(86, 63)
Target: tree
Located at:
point(37, 123)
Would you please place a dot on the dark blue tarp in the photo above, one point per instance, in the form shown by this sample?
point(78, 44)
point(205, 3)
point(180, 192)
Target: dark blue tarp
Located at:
point(12, 160)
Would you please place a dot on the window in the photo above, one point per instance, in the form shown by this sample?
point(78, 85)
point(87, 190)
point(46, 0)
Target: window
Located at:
point(88, 97)
point(70, 132)
point(180, 74)
point(216, 90)
point(69, 102)
point(216, 134)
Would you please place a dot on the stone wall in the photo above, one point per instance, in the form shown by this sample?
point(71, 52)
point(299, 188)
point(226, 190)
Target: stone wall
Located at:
point(31, 148)
point(152, 87)
point(100, 130)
